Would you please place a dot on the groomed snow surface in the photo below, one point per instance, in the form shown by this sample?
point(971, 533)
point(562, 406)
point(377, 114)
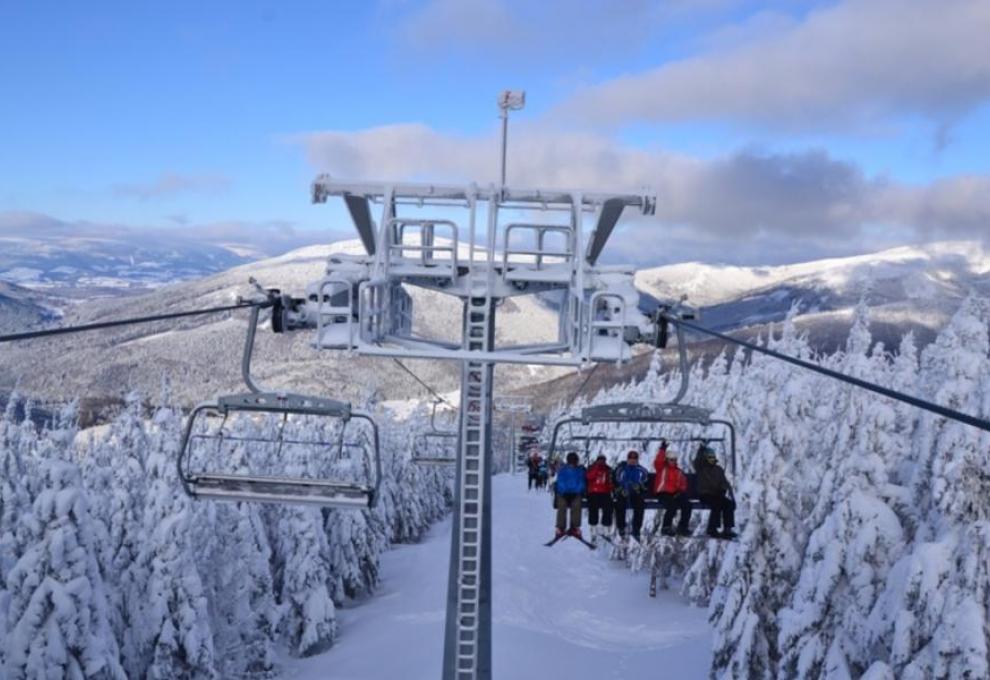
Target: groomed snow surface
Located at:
point(562, 612)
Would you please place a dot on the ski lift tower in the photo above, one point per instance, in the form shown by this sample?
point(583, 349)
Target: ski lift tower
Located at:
point(466, 249)
point(514, 405)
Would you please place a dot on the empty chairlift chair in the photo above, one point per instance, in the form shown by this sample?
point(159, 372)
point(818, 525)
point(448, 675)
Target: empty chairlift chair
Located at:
point(435, 447)
point(298, 441)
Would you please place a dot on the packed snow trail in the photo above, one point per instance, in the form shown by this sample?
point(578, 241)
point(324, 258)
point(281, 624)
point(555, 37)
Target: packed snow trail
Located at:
point(563, 611)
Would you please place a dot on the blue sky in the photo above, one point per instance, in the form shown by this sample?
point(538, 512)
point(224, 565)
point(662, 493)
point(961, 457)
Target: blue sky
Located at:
point(181, 115)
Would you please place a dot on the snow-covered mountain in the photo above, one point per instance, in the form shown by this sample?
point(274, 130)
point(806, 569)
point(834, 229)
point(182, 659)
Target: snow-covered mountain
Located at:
point(86, 265)
point(201, 356)
point(21, 308)
point(922, 284)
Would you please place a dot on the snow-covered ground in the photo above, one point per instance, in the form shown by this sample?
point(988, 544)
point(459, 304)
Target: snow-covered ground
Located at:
point(558, 612)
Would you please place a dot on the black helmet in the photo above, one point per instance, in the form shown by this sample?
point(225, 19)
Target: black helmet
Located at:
point(572, 458)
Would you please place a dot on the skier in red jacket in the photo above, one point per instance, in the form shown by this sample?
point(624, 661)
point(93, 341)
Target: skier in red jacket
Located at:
point(670, 486)
point(599, 492)
point(661, 457)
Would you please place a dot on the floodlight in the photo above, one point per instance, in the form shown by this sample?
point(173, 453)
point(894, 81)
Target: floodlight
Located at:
point(512, 100)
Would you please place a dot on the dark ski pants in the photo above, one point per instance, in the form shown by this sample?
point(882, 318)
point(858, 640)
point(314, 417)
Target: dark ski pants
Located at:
point(672, 502)
point(723, 511)
point(600, 502)
point(532, 480)
point(634, 501)
point(569, 503)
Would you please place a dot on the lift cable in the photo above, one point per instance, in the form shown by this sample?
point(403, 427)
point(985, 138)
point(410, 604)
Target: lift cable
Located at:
point(582, 385)
point(65, 330)
point(422, 382)
point(949, 413)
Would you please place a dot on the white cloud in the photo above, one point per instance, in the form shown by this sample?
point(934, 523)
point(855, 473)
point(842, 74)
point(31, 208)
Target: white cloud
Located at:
point(168, 185)
point(740, 203)
point(851, 65)
point(588, 32)
point(478, 24)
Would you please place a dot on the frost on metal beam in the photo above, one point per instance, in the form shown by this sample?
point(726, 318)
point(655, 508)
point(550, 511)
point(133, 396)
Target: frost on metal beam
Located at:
point(609, 216)
point(360, 210)
point(325, 186)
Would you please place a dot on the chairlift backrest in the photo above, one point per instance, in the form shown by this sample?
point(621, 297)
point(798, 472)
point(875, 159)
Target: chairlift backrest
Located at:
point(225, 436)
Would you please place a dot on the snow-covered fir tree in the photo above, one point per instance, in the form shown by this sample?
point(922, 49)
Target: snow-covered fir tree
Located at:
point(864, 522)
point(58, 614)
point(171, 611)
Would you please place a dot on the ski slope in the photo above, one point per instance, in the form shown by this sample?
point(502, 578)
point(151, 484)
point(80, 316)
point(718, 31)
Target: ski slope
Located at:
point(558, 612)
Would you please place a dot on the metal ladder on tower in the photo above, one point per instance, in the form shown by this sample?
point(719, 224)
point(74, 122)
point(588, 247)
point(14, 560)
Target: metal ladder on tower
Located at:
point(467, 649)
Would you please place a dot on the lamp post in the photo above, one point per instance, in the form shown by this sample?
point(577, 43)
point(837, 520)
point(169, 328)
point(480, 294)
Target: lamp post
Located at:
point(509, 100)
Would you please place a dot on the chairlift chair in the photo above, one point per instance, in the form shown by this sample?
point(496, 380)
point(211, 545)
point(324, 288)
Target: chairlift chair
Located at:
point(650, 414)
point(426, 444)
point(216, 428)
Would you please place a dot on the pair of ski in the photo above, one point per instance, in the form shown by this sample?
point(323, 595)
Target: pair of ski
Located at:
point(588, 544)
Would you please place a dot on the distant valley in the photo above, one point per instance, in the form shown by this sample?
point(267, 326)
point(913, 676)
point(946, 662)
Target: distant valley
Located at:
point(911, 288)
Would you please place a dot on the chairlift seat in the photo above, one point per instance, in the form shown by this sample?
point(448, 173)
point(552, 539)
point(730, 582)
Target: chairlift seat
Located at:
point(422, 454)
point(434, 460)
point(287, 490)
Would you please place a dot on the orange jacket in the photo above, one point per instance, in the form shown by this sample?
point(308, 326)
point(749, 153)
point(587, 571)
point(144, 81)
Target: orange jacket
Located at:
point(670, 479)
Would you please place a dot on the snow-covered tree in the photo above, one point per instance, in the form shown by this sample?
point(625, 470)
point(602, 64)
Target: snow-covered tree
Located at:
point(59, 623)
point(172, 611)
point(243, 601)
point(303, 574)
point(15, 503)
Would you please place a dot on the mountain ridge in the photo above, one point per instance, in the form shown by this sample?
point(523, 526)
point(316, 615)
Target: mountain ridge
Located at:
point(911, 288)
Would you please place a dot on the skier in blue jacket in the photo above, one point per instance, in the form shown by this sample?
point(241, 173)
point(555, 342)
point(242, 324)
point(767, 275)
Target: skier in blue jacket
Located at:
point(569, 488)
point(631, 481)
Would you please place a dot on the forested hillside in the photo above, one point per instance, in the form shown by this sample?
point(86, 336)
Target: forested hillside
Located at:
point(107, 569)
point(865, 524)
